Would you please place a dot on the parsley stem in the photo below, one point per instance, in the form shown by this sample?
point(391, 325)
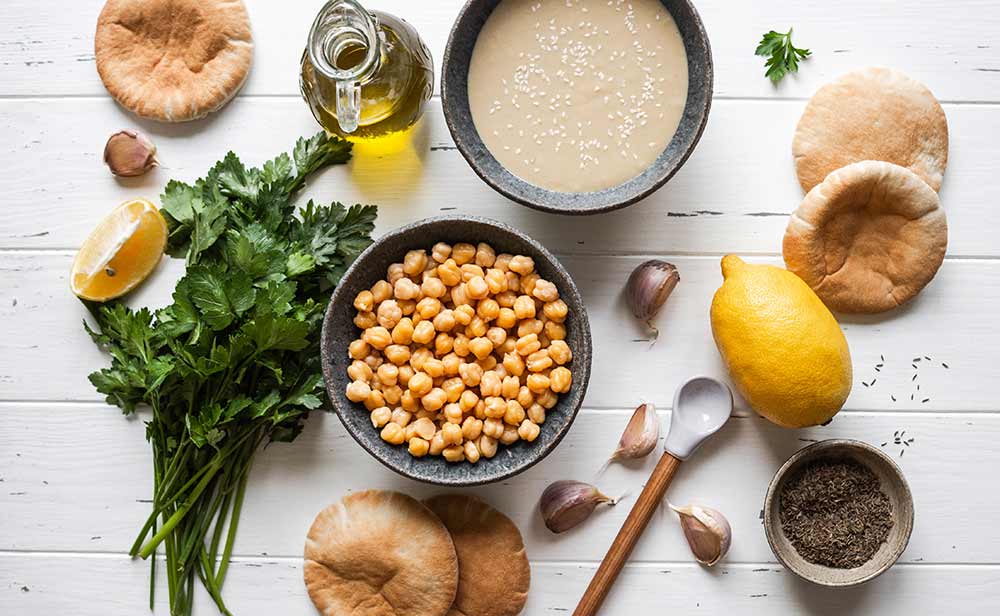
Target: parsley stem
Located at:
point(178, 515)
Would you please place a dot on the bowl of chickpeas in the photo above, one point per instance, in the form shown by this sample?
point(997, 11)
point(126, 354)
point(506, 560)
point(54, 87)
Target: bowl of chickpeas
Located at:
point(456, 350)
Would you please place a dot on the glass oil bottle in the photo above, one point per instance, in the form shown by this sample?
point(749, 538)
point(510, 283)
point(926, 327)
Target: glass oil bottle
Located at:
point(365, 74)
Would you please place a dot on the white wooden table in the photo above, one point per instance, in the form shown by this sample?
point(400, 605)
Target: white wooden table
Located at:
point(75, 475)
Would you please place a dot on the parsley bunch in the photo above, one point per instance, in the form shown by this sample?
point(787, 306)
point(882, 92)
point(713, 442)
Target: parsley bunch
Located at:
point(782, 56)
point(234, 361)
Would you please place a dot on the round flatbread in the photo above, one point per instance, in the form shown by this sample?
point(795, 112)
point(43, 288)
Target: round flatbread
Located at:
point(380, 553)
point(872, 114)
point(173, 60)
point(493, 569)
point(868, 238)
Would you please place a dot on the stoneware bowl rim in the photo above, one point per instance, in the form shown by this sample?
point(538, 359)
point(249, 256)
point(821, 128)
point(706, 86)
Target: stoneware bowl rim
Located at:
point(435, 470)
point(897, 490)
point(454, 103)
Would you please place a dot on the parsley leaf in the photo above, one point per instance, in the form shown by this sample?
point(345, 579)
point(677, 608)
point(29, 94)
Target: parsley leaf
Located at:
point(782, 56)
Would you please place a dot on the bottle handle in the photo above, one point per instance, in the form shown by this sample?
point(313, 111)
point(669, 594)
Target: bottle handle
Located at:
point(348, 104)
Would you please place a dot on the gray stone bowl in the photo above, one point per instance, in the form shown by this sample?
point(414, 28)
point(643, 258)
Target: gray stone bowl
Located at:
point(455, 100)
point(894, 486)
point(339, 330)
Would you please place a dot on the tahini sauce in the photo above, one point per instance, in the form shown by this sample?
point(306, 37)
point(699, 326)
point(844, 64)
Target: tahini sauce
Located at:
point(578, 95)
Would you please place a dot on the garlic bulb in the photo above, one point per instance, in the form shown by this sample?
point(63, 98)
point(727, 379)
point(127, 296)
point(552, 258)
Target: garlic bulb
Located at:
point(129, 153)
point(641, 434)
point(707, 532)
point(564, 504)
point(648, 288)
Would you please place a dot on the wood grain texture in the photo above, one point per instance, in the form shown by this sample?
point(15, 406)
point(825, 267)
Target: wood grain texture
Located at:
point(733, 195)
point(958, 306)
point(628, 536)
point(78, 478)
point(73, 584)
point(47, 48)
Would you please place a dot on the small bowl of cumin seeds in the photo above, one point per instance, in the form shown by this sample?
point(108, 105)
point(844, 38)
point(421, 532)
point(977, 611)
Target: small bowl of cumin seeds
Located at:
point(838, 513)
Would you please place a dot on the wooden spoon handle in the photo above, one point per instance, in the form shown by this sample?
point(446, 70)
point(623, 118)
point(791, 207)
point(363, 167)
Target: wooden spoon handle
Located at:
point(628, 536)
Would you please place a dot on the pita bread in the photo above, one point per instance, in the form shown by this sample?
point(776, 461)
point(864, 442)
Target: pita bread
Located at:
point(867, 239)
point(379, 553)
point(173, 60)
point(872, 114)
point(494, 574)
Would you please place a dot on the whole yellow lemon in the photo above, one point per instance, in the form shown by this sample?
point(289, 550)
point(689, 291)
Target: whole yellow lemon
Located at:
point(785, 352)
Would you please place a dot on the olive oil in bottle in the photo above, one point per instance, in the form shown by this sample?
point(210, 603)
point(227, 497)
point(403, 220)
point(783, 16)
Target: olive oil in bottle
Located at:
point(365, 74)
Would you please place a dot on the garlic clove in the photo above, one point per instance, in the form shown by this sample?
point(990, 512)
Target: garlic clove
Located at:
point(707, 532)
point(129, 153)
point(641, 434)
point(648, 288)
point(566, 503)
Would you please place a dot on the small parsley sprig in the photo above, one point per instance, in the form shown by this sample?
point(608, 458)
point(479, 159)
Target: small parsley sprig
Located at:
point(782, 56)
point(233, 362)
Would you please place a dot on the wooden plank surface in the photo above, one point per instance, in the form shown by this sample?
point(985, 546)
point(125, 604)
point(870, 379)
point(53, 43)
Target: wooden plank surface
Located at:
point(733, 195)
point(47, 47)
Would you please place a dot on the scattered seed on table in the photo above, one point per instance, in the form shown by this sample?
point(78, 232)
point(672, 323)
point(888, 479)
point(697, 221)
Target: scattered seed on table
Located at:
point(925, 401)
point(865, 384)
point(911, 396)
point(883, 444)
point(882, 357)
point(914, 378)
point(873, 382)
point(927, 358)
point(893, 397)
point(944, 365)
point(916, 359)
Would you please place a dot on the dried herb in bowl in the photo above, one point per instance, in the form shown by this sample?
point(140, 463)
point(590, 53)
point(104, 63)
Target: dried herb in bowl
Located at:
point(835, 513)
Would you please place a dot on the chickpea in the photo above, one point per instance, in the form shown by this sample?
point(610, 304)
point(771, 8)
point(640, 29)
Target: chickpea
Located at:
point(528, 430)
point(433, 367)
point(423, 333)
point(404, 288)
point(556, 310)
point(364, 301)
point(495, 407)
point(406, 373)
point(525, 397)
point(433, 288)
point(460, 346)
point(538, 361)
point(500, 370)
point(481, 347)
point(464, 315)
point(440, 252)
point(560, 352)
point(526, 345)
point(409, 307)
point(480, 410)
point(378, 337)
point(358, 349)
point(434, 400)
point(460, 296)
point(470, 271)
point(359, 371)
point(468, 400)
point(493, 427)
point(513, 363)
point(418, 447)
point(428, 308)
point(487, 309)
point(548, 398)
point(420, 384)
point(402, 333)
point(381, 416)
point(521, 265)
point(496, 281)
point(555, 331)
point(497, 336)
point(373, 360)
point(392, 394)
point(424, 428)
point(444, 321)
point(452, 434)
point(471, 374)
point(394, 272)
point(401, 417)
point(487, 446)
point(397, 354)
point(419, 357)
point(393, 433)
point(453, 387)
point(358, 391)
point(471, 452)
point(538, 383)
point(529, 326)
point(514, 414)
point(508, 346)
point(524, 307)
point(506, 299)
point(389, 313)
point(510, 435)
point(364, 320)
point(560, 380)
point(414, 262)
point(506, 318)
point(449, 273)
point(489, 384)
point(536, 413)
point(455, 453)
point(381, 291)
point(462, 253)
point(489, 363)
point(452, 363)
point(443, 344)
point(509, 387)
point(528, 283)
point(545, 291)
point(453, 413)
point(437, 444)
point(476, 288)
